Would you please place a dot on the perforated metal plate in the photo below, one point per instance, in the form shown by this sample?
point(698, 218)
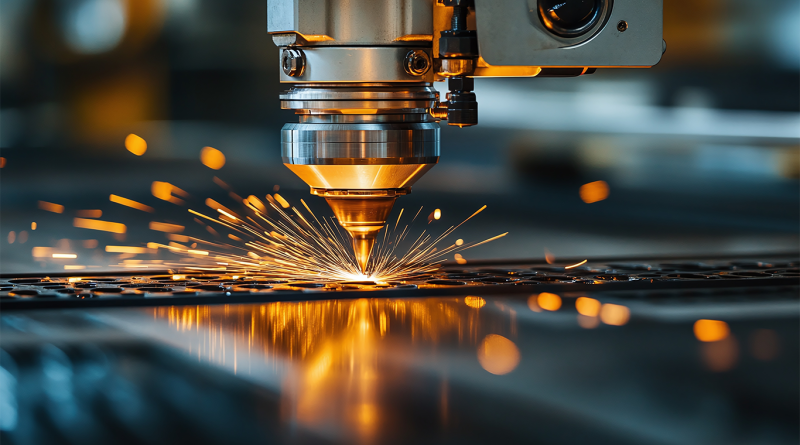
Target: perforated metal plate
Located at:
point(496, 277)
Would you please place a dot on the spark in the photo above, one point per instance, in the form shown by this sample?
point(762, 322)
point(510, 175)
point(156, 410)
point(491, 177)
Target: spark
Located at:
point(212, 158)
point(135, 144)
point(65, 255)
point(131, 203)
point(89, 213)
point(33, 225)
point(226, 214)
point(95, 224)
point(281, 201)
point(549, 257)
point(594, 192)
point(127, 249)
point(166, 191)
point(576, 264)
point(50, 207)
point(165, 227)
point(278, 239)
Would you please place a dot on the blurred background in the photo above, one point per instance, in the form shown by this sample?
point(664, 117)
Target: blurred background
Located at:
point(700, 154)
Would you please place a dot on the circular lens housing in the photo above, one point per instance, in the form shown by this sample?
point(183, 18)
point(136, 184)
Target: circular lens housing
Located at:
point(570, 18)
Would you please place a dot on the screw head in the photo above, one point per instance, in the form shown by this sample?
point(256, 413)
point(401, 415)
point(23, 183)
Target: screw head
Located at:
point(293, 62)
point(417, 62)
point(622, 26)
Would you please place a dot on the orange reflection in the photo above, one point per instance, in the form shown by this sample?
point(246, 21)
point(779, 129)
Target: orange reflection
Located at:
point(587, 306)
point(498, 355)
point(2, 162)
point(587, 322)
point(549, 302)
point(475, 302)
point(711, 330)
point(614, 314)
point(764, 344)
point(594, 191)
point(722, 355)
point(212, 158)
point(336, 349)
point(533, 304)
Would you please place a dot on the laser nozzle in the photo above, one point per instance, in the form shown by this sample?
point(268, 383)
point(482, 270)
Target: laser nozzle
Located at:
point(363, 218)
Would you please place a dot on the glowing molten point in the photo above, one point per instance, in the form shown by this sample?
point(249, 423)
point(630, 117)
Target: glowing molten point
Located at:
point(363, 218)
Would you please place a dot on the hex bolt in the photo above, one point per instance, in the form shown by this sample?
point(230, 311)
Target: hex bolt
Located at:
point(622, 26)
point(417, 62)
point(293, 62)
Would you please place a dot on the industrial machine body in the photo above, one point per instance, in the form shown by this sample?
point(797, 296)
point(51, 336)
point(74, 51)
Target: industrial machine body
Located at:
point(361, 74)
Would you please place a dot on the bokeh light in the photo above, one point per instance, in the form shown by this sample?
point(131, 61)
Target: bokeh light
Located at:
point(711, 330)
point(212, 158)
point(614, 314)
point(135, 144)
point(594, 191)
point(498, 355)
point(548, 301)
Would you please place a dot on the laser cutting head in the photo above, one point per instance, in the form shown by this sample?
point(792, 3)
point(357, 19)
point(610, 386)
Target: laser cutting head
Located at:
point(360, 146)
point(362, 72)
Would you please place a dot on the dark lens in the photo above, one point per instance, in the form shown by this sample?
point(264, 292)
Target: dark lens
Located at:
point(569, 18)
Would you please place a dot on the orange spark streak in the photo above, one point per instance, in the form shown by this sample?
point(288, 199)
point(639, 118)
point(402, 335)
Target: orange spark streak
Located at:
point(94, 224)
point(130, 203)
point(50, 207)
point(576, 264)
point(165, 227)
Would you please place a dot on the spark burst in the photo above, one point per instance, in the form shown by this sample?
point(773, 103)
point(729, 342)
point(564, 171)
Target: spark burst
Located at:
point(300, 246)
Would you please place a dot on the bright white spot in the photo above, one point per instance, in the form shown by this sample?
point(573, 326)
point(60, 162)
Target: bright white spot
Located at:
point(94, 26)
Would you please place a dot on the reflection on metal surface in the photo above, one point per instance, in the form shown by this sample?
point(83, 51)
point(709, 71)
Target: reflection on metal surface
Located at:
point(587, 306)
point(765, 344)
point(337, 349)
point(711, 330)
point(722, 355)
point(475, 302)
point(548, 301)
point(498, 355)
point(614, 314)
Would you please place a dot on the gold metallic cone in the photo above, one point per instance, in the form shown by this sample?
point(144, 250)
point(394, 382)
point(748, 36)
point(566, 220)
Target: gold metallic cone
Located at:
point(363, 218)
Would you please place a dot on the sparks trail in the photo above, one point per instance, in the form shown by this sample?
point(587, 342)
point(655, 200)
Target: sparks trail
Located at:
point(281, 240)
